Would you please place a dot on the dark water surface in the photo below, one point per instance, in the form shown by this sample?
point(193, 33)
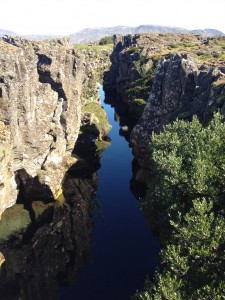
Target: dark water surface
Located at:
point(124, 250)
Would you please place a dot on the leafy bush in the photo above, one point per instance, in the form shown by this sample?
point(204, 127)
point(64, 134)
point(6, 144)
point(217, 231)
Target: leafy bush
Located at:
point(189, 206)
point(106, 40)
point(184, 44)
point(189, 161)
point(141, 87)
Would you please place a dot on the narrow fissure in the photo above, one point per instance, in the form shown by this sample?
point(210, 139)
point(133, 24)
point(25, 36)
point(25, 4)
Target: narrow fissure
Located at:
point(124, 250)
point(45, 75)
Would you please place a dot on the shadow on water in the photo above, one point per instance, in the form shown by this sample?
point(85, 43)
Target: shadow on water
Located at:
point(47, 245)
point(124, 250)
point(52, 252)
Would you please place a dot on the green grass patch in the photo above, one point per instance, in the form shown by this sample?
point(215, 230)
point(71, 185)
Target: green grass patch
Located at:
point(182, 45)
point(219, 82)
point(94, 47)
point(102, 145)
point(14, 220)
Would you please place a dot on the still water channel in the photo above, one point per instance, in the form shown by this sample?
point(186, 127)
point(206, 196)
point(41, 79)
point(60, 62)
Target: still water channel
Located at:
point(124, 250)
point(58, 251)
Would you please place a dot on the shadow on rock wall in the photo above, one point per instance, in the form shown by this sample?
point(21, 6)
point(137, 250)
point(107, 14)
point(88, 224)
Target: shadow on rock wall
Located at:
point(55, 246)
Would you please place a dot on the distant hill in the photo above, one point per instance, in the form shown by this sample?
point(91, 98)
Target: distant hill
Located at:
point(207, 32)
point(41, 37)
point(94, 34)
point(7, 32)
point(36, 37)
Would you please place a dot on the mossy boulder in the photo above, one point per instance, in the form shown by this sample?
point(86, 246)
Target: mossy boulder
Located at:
point(14, 220)
point(95, 120)
point(102, 145)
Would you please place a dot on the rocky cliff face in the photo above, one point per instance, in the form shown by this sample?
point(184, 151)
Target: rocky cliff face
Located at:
point(181, 89)
point(184, 75)
point(40, 114)
point(41, 91)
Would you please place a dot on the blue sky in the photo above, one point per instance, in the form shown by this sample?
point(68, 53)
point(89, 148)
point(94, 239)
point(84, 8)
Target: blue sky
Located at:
point(68, 16)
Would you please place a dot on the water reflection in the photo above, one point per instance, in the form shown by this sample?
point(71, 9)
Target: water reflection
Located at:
point(121, 115)
point(54, 248)
point(124, 250)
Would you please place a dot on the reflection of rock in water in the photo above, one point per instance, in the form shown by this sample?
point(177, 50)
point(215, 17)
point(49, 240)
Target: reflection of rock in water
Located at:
point(122, 115)
point(139, 181)
point(54, 249)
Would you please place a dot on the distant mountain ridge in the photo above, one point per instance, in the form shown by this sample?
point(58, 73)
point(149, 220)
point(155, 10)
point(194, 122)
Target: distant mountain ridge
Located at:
point(91, 34)
point(7, 32)
point(94, 34)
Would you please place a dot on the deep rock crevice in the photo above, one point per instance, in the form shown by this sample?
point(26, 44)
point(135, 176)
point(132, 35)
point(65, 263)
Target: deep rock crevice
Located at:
point(183, 84)
point(43, 65)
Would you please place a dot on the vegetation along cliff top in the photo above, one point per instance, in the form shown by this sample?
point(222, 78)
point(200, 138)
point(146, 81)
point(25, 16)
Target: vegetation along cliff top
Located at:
point(207, 50)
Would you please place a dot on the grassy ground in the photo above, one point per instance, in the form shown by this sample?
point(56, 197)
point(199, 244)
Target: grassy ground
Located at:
point(94, 47)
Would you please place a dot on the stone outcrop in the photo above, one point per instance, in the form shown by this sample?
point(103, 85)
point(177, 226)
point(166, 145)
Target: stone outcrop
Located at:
point(177, 76)
point(136, 56)
point(2, 259)
point(42, 87)
point(181, 89)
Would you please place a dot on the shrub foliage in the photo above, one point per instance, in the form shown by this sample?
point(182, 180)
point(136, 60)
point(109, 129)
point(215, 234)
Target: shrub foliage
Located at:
point(187, 204)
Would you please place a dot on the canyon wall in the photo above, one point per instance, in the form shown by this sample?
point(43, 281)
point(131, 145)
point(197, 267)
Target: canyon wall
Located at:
point(181, 89)
point(182, 75)
point(42, 88)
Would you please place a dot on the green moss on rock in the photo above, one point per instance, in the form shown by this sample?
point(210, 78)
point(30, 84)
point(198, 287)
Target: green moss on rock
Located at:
point(102, 145)
point(14, 220)
point(95, 118)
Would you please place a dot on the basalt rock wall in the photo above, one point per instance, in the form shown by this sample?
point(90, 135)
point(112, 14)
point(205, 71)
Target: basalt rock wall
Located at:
point(182, 75)
point(42, 85)
point(181, 89)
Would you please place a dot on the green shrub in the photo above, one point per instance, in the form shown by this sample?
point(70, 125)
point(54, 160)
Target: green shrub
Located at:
point(189, 208)
point(106, 40)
